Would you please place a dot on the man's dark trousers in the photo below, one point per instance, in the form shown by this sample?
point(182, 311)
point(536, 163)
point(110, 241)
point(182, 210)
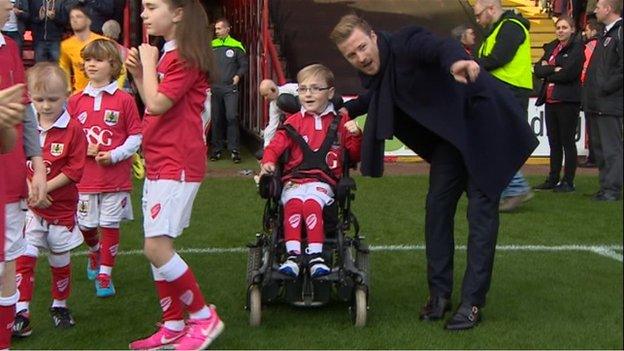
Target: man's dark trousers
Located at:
point(448, 179)
point(224, 110)
point(606, 137)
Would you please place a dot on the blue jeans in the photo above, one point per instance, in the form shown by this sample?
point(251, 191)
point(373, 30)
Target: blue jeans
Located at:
point(518, 186)
point(47, 50)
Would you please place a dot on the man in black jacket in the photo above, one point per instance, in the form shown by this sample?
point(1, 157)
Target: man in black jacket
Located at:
point(602, 100)
point(506, 54)
point(474, 135)
point(100, 11)
point(48, 18)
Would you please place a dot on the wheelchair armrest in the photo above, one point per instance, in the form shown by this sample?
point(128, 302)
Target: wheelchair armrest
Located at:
point(344, 187)
point(270, 186)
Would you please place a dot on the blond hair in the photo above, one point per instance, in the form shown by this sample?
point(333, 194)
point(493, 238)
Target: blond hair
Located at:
point(316, 70)
point(47, 77)
point(348, 23)
point(106, 50)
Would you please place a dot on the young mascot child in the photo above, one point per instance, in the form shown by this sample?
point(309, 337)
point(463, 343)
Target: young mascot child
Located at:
point(315, 138)
point(110, 120)
point(53, 226)
point(173, 88)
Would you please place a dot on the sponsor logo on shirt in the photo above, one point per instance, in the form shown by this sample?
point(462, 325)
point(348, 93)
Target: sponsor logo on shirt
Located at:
point(229, 53)
point(82, 117)
point(111, 117)
point(56, 149)
point(99, 136)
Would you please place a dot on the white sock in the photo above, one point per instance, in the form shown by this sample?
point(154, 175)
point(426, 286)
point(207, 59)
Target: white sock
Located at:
point(315, 248)
point(293, 246)
point(204, 313)
point(22, 305)
point(175, 325)
point(59, 303)
point(173, 269)
point(106, 270)
point(9, 300)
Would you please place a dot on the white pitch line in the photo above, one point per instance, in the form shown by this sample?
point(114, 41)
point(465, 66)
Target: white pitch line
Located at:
point(602, 250)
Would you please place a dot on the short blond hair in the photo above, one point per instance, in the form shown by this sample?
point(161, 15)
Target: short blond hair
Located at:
point(104, 49)
point(47, 77)
point(316, 70)
point(348, 23)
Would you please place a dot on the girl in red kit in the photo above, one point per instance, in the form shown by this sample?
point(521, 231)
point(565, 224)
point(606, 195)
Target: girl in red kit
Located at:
point(308, 186)
point(53, 226)
point(110, 120)
point(173, 89)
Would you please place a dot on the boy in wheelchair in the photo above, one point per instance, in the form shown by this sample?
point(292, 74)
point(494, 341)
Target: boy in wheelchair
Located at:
point(313, 140)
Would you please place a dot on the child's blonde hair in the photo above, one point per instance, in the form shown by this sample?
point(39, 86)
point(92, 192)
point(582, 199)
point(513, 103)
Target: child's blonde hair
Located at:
point(316, 70)
point(47, 77)
point(106, 50)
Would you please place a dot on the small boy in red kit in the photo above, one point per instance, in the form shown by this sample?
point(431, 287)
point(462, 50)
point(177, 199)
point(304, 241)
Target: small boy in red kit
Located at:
point(53, 226)
point(315, 137)
point(110, 119)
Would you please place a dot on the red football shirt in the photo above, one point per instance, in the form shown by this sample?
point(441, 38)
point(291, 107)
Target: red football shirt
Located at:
point(64, 149)
point(173, 143)
point(11, 73)
point(107, 120)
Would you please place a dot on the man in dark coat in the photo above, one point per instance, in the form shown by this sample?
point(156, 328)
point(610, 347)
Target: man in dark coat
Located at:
point(602, 100)
point(474, 135)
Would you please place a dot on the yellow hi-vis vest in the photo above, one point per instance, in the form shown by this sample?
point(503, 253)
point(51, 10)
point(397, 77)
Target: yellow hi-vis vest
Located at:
point(516, 72)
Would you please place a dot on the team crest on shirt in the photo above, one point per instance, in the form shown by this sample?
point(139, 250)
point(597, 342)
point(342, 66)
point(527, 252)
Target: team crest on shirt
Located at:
point(82, 117)
point(111, 117)
point(229, 53)
point(56, 149)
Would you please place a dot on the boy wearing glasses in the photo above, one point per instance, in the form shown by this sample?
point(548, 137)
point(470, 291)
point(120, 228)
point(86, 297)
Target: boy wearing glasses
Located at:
point(314, 138)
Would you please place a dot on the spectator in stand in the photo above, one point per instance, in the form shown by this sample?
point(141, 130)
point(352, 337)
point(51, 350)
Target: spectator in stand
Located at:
point(560, 70)
point(593, 29)
point(602, 100)
point(70, 60)
point(466, 36)
point(506, 54)
point(232, 65)
point(16, 25)
point(270, 91)
point(99, 11)
point(48, 20)
point(111, 29)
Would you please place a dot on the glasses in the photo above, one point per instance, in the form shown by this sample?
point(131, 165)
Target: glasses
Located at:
point(312, 89)
point(477, 15)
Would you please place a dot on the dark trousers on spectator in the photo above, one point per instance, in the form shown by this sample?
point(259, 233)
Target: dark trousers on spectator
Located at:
point(561, 124)
point(47, 50)
point(448, 179)
point(606, 136)
point(224, 110)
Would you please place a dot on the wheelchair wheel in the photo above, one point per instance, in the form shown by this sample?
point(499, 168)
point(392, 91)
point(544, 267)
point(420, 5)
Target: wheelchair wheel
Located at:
point(359, 307)
point(254, 261)
point(255, 305)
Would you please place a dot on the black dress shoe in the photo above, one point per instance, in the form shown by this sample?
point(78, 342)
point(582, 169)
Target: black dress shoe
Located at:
point(564, 187)
point(435, 308)
point(466, 317)
point(606, 197)
point(546, 185)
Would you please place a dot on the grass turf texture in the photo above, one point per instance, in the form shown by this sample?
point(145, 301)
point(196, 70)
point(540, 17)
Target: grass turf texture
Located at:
point(563, 300)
